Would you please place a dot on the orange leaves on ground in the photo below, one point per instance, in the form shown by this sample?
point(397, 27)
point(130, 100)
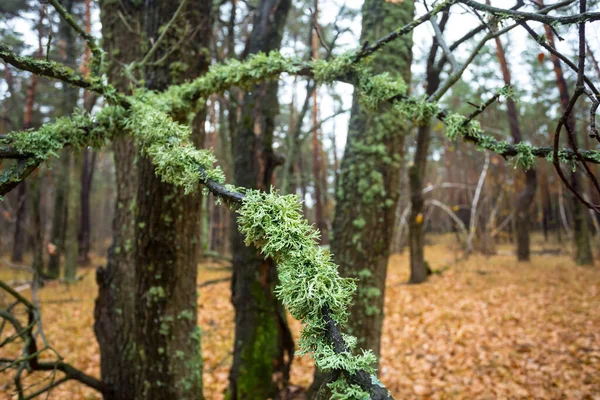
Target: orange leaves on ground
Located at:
point(485, 328)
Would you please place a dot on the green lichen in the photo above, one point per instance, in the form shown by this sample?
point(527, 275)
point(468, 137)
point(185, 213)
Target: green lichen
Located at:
point(525, 157)
point(341, 389)
point(309, 280)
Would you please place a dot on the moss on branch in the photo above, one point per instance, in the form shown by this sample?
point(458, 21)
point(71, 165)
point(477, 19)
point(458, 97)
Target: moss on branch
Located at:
point(310, 283)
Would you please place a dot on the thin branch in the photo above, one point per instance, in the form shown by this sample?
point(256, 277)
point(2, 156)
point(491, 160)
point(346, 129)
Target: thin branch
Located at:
point(440, 39)
point(89, 39)
point(523, 15)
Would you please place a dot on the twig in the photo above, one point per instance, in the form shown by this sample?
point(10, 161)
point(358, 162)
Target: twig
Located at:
point(89, 39)
point(440, 39)
point(523, 16)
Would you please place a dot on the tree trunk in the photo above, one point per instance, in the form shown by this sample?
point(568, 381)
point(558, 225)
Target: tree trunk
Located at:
point(527, 194)
point(69, 102)
point(419, 270)
point(19, 236)
point(73, 217)
point(316, 142)
point(37, 231)
point(89, 156)
point(583, 249)
point(153, 343)
point(59, 214)
point(20, 214)
point(62, 181)
point(368, 185)
point(87, 175)
point(263, 345)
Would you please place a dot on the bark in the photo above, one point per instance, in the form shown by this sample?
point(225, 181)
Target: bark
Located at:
point(368, 185)
point(263, 345)
point(159, 233)
point(73, 217)
point(419, 270)
point(316, 142)
point(87, 175)
point(69, 102)
point(114, 322)
point(583, 249)
point(59, 215)
point(22, 200)
point(20, 214)
point(527, 194)
point(89, 156)
point(37, 231)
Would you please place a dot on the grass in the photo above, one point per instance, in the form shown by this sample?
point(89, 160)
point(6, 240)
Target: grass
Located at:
point(487, 327)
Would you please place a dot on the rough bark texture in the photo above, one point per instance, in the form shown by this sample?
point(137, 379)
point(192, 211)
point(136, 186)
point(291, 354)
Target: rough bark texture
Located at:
point(419, 270)
point(583, 249)
point(153, 263)
point(114, 323)
point(263, 346)
point(368, 186)
point(525, 197)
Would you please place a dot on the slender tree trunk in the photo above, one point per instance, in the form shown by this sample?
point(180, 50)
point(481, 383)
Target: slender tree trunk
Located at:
point(59, 215)
point(88, 157)
point(87, 176)
point(263, 345)
point(20, 214)
point(19, 236)
point(37, 231)
point(73, 217)
point(316, 142)
point(67, 104)
point(527, 194)
point(368, 186)
point(72, 196)
point(419, 270)
point(583, 249)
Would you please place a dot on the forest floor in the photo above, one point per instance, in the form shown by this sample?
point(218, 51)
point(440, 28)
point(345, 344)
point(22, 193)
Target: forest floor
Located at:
point(487, 327)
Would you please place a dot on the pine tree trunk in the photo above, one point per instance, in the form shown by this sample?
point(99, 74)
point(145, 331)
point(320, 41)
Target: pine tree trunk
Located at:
point(527, 194)
point(19, 235)
point(263, 345)
point(368, 185)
